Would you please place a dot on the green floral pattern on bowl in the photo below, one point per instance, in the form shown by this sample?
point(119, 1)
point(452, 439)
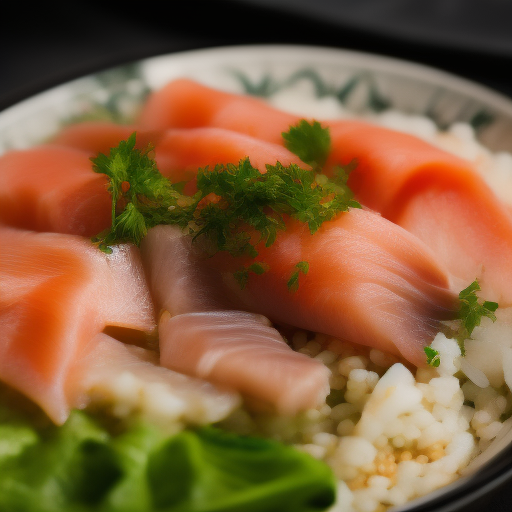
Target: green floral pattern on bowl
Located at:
point(360, 82)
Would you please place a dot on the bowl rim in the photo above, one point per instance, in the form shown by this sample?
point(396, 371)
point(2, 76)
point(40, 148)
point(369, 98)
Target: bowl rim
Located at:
point(407, 68)
point(322, 54)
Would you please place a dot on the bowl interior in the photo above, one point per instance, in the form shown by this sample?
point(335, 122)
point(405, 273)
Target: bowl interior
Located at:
point(361, 83)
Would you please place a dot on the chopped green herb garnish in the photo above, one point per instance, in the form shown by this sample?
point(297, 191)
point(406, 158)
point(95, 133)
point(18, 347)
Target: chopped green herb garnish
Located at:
point(433, 358)
point(247, 200)
point(141, 196)
point(242, 275)
point(235, 208)
point(471, 311)
point(293, 282)
point(469, 315)
point(310, 142)
point(342, 173)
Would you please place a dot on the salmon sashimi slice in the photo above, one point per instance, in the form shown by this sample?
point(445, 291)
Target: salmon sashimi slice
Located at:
point(185, 286)
point(100, 136)
point(436, 196)
point(130, 380)
point(200, 336)
point(57, 292)
point(369, 282)
point(184, 103)
point(386, 161)
point(242, 351)
point(180, 152)
point(395, 171)
point(51, 188)
point(467, 227)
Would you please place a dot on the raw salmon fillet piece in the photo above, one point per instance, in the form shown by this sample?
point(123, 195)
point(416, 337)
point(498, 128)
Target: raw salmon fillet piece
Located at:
point(369, 282)
point(56, 293)
point(181, 152)
point(184, 103)
point(433, 194)
point(53, 188)
point(436, 196)
point(186, 285)
point(100, 136)
point(201, 336)
point(240, 350)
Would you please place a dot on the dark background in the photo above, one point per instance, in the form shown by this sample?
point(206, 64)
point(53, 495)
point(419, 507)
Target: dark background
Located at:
point(42, 45)
point(45, 44)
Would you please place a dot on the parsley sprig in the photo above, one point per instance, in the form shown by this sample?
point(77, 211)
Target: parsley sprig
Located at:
point(247, 201)
point(469, 315)
point(433, 357)
point(235, 208)
point(141, 196)
point(471, 311)
point(310, 142)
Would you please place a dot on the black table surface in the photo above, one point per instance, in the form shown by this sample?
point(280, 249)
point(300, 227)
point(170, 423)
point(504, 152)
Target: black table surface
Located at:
point(46, 44)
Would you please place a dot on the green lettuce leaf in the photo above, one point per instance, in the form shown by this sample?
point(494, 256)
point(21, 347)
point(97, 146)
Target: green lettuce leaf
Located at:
point(218, 471)
point(83, 466)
